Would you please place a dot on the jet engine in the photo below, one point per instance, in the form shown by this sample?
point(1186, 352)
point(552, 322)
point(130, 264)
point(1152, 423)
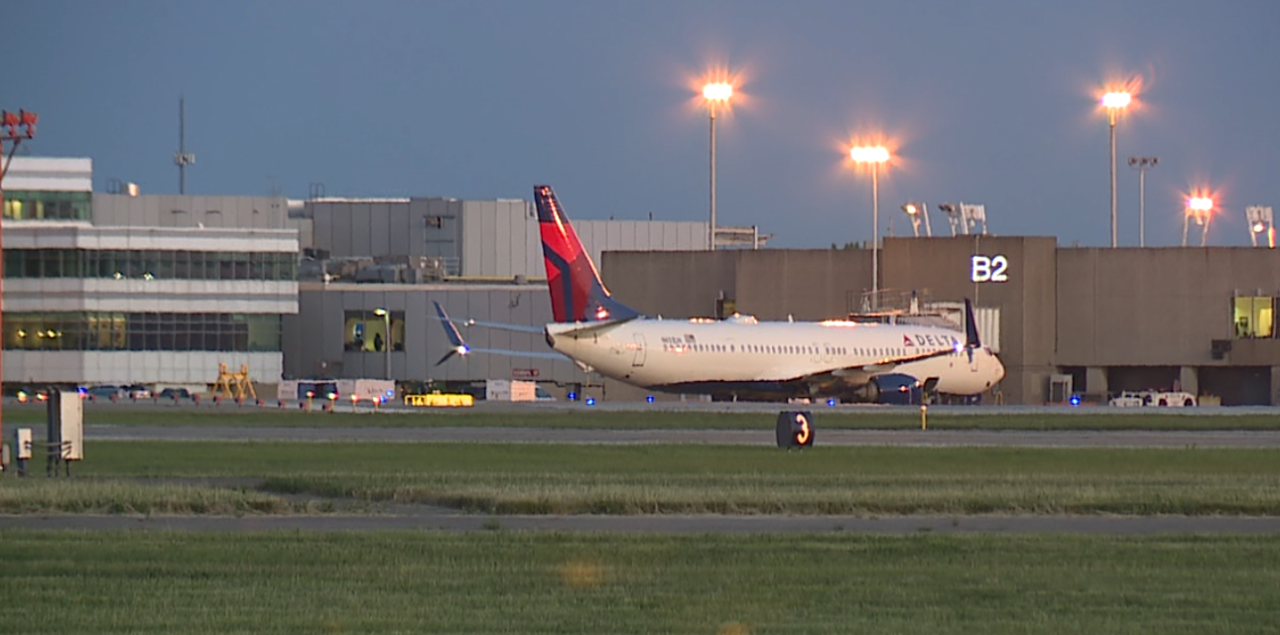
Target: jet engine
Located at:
point(892, 388)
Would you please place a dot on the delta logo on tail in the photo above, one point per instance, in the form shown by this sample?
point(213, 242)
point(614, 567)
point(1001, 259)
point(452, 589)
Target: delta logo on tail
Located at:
point(577, 294)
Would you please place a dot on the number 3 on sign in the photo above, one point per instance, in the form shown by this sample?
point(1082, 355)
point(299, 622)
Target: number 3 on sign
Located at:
point(988, 268)
point(802, 433)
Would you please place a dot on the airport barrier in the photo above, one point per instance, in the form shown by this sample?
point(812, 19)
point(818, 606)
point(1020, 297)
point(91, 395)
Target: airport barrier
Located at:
point(436, 400)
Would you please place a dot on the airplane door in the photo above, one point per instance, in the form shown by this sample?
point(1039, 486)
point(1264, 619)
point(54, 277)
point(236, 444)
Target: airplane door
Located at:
point(638, 360)
point(973, 360)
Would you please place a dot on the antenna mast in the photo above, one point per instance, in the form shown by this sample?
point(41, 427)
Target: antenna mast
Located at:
point(183, 158)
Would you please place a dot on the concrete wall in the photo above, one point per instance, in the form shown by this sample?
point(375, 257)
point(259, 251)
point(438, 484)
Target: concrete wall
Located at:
point(313, 339)
point(140, 367)
point(164, 210)
point(346, 227)
point(479, 239)
point(1154, 306)
point(670, 284)
point(770, 284)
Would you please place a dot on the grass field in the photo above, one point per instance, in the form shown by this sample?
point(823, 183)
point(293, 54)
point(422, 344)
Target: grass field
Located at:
point(642, 479)
point(501, 582)
point(583, 417)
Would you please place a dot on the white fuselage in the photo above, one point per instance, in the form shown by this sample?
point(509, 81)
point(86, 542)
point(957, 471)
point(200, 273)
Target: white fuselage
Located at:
point(676, 354)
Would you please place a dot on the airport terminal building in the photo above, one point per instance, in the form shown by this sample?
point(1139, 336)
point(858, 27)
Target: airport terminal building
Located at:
point(1064, 320)
point(155, 290)
point(125, 287)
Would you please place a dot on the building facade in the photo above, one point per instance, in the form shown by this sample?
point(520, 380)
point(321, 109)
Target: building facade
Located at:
point(352, 330)
point(369, 305)
point(155, 290)
point(1097, 320)
point(474, 239)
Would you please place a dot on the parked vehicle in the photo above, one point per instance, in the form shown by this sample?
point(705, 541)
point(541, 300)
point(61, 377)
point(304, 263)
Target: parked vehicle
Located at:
point(1156, 398)
point(175, 393)
point(137, 391)
point(106, 392)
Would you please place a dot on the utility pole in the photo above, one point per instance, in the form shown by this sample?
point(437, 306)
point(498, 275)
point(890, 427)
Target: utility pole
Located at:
point(183, 158)
point(16, 127)
point(1142, 164)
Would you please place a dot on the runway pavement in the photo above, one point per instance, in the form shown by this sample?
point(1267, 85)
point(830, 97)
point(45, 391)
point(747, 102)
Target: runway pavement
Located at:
point(921, 438)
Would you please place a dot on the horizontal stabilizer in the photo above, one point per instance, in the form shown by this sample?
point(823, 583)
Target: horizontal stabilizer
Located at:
point(501, 326)
point(514, 353)
point(461, 348)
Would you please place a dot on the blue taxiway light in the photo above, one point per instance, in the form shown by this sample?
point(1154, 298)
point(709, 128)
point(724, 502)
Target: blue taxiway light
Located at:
point(591, 401)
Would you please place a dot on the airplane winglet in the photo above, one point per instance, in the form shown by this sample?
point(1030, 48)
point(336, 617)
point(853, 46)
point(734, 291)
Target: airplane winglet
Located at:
point(971, 339)
point(455, 337)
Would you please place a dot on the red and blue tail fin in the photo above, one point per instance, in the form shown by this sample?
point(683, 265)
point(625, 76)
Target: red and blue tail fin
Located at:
point(577, 294)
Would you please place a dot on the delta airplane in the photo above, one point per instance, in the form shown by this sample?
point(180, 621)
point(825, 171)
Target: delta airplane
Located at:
point(738, 357)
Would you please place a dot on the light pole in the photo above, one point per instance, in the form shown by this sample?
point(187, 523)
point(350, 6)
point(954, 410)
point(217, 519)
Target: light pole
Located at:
point(1142, 164)
point(11, 122)
point(1201, 207)
point(914, 212)
point(1261, 221)
point(1114, 103)
point(715, 93)
point(386, 341)
point(873, 155)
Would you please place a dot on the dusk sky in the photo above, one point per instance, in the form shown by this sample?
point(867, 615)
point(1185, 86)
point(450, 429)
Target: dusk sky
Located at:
point(982, 101)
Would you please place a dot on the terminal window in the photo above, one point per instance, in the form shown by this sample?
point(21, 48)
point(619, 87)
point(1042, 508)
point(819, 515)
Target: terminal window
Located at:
point(1253, 317)
point(91, 331)
point(149, 264)
point(366, 331)
point(40, 205)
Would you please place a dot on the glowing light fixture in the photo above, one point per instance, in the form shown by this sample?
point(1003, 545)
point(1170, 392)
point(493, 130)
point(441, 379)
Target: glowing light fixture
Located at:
point(718, 91)
point(1261, 221)
point(916, 211)
point(1117, 99)
point(1199, 209)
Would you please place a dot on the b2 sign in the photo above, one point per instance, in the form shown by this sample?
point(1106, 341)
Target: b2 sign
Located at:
point(988, 268)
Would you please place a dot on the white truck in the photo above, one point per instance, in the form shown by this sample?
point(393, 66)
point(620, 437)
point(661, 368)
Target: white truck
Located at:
point(1154, 398)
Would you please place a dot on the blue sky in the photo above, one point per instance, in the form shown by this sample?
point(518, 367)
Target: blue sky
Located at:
point(985, 101)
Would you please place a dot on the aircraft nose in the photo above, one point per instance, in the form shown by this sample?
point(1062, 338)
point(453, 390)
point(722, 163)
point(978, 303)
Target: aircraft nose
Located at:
point(998, 367)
